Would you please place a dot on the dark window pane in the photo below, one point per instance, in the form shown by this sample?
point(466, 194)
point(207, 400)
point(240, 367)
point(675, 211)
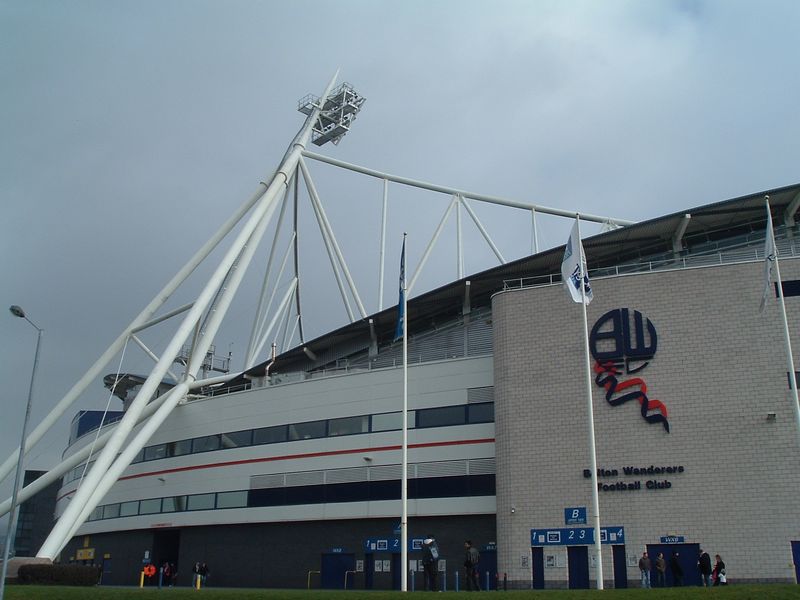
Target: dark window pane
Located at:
point(150, 507)
point(441, 417)
point(481, 413)
point(391, 421)
point(205, 444)
point(306, 431)
point(236, 499)
point(237, 439)
point(174, 504)
point(155, 452)
point(179, 448)
point(129, 509)
point(111, 511)
point(270, 435)
point(139, 457)
point(349, 425)
point(201, 502)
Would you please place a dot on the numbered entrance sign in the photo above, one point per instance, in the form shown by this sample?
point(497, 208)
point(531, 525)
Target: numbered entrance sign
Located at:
point(576, 536)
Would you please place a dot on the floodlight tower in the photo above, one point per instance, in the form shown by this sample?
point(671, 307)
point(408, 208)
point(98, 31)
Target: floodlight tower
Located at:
point(328, 119)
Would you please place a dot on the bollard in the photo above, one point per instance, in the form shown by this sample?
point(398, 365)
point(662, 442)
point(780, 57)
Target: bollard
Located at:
point(160, 576)
point(413, 581)
point(456, 580)
point(487, 588)
point(141, 579)
point(444, 581)
point(197, 581)
point(505, 582)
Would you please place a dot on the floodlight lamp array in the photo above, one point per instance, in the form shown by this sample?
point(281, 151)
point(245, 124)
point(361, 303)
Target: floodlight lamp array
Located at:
point(336, 117)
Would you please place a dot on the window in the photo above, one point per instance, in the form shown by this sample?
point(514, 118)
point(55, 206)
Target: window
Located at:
point(139, 457)
point(155, 452)
point(480, 413)
point(307, 431)
point(150, 507)
point(441, 417)
point(206, 443)
point(111, 511)
point(391, 421)
point(96, 514)
point(232, 499)
point(179, 448)
point(201, 502)
point(237, 439)
point(270, 435)
point(348, 425)
point(129, 509)
point(174, 504)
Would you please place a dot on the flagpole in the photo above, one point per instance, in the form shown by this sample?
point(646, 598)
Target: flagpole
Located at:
point(404, 478)
point(786, 337)
point(592, 448)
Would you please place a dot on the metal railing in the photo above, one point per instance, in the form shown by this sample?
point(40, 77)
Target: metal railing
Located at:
point(786, 250)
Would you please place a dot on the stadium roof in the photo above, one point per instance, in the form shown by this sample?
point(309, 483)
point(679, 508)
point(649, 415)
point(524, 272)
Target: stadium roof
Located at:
point(661, 237)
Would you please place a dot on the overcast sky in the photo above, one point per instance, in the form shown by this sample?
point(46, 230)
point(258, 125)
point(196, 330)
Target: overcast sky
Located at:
point(132, 129)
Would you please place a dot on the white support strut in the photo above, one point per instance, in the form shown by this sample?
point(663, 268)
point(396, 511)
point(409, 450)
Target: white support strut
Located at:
point(92, 484)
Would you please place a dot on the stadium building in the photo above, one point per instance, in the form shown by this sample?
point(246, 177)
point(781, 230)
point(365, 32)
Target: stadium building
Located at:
point(291, 472)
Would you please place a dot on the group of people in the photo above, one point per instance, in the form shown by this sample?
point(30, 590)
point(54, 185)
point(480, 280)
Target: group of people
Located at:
point(709, 576)
point(712, 576)
point(200, 573)
point(430, 565)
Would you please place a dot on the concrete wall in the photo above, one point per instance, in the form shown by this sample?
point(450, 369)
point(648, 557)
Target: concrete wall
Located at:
point(720, 368)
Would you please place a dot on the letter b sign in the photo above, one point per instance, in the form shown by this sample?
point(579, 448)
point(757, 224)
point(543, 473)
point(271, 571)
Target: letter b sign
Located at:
point(575, 515)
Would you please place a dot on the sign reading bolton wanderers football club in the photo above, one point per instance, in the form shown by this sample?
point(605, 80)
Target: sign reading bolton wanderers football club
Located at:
point(622, 346)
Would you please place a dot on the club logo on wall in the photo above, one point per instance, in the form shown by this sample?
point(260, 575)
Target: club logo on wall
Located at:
point(623, 346)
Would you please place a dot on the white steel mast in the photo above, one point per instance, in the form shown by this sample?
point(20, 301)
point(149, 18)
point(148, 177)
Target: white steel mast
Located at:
point(228, 273)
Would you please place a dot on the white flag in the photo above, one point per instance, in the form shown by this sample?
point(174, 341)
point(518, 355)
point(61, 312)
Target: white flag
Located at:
point(573, 268)
point(770, 256)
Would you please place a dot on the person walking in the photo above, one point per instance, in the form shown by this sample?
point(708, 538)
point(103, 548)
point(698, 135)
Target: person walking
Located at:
point(719, 576)
point(644, 568)
point(661, 570)
point(704, 565)
point(430, 563)
point(471, 559)
point(196, 575)
point(677, 569)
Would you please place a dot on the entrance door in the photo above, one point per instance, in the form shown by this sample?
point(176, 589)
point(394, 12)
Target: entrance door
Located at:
point(578, 565)
point(369, 570)
point(796, 560)
point(335, 565)
point(488, 562)
point(620, 567)
point(396, 571)
point(537, 567)
point(166, 547)
point(687, 558)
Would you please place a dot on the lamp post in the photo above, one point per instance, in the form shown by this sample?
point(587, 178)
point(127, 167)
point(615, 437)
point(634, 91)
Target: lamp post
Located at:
point(12, 519)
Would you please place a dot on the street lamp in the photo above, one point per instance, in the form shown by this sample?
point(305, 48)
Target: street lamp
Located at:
point(12, 519)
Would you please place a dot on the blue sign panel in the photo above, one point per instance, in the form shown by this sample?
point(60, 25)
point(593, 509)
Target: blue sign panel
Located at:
point(382, 545)
point(575, 515)
point(576, 536)
point(390, 544)
point(673, 539)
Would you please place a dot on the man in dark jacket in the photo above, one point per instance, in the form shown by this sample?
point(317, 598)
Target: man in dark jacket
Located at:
point(430, 563)
point(704, 564)
point(471, 559)
point(677, 569)
point(644, 569)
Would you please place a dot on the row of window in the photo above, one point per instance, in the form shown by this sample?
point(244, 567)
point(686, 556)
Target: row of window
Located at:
point(442, 416)
point(362, 491)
